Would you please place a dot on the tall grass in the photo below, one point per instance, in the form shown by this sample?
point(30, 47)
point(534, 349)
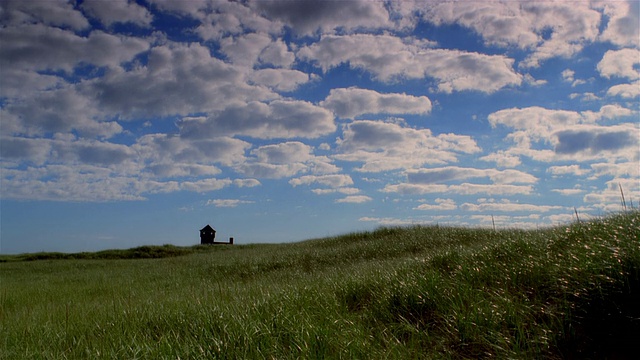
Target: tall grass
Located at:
point(418, 292)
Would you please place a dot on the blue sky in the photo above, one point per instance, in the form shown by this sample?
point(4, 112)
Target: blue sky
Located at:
point(126, 123)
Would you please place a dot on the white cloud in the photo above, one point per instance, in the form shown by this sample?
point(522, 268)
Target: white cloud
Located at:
point(388, 58)
point(191, 7)
point(502, 159)
point(382, 146)
point(440, 205)
point(332, 181)
point(307, 17)
point(342, 190)
point(354, 199)
point(584, 96)
point(353, 102)
point(568, 75)
point(284, 153)
point(118, 11)
point(228, 202)
point(551, 135)
point(168, 150)
point(205, 185)
point(610, 198)
point(277, 54)
point(54, 111)
point(270, 171)
point(550, 29)
point(285, 160)
point(627, 91)
point(567, 170)
point(507, 206)
point(187, 74)
point(246, 183)
point(277, 119)
point(79, 182)
point(461, 189)
point(623, 26)
point(279, 79)
point(40, 47)
point(244, 49)
point(52, 12)
point(568, 192)
point(172, 170)
point(387, 221)
point(452, 173)
point(223, 18)
point(19, 82)
point(599, 141)
point(620, 63)
point(627, 169)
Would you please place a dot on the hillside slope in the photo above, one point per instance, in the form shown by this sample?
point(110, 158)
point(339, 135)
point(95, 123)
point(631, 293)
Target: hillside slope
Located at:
point(418, 292)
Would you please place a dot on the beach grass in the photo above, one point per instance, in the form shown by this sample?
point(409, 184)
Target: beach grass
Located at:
point(418, 292)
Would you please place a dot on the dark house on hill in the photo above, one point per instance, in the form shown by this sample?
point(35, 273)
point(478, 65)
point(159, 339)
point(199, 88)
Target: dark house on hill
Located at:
point(208, 236)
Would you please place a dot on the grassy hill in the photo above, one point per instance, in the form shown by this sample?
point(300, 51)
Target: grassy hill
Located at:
point(418, 292)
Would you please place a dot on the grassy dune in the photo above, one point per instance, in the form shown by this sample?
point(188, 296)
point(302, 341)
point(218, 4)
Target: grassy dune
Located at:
point(418, 292)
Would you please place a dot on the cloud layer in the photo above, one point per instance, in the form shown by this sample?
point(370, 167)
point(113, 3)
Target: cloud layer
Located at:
point(434, 107)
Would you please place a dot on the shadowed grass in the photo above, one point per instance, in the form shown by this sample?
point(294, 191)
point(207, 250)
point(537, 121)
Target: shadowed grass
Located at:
point(418, 292)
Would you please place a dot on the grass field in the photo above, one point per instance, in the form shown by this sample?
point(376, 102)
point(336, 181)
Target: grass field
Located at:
point(400, 293)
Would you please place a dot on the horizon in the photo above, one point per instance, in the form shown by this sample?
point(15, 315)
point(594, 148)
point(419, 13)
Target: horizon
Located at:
point(136, 123)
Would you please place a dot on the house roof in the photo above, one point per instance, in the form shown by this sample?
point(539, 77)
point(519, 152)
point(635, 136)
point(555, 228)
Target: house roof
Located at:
point(208, 227)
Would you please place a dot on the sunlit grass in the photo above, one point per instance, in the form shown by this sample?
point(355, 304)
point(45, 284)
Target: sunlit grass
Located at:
point(419, 292)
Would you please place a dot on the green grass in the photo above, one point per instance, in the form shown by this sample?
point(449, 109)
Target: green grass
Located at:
point(399, 293)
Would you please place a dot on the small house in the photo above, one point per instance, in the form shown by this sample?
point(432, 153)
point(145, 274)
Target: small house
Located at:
point(207, 235)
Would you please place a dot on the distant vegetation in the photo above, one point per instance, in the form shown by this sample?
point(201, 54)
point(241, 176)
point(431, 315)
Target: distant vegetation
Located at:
point(141, 252)
point(420, 292)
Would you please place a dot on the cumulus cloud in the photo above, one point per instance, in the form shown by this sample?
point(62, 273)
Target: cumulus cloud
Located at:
point(459, 189)
point(506, 205)
point(228, 202)
point(550, 29)
point(279, 79)
point(118, 11)
point(285, 160)
point(354, 199)
point(567, 170)
point(205, 185)
point(624, 21)
point(609, 199)
point(185, 73)
point(246, 183)
point(453, 173)
point(81, 182)
point(342, 190)
point(64, 49)
point(277, 119)
point(596, 140)
point(550, 135)
point(627, 91)
point(55, 111)
point(168, 150)
point(53, 12)
point(620, 63)
point(244, 49)
point(383, 146)
point(387, 57)
point(222, 18)
point(353, 102)
point(440, 205)
point(332, 181)
point(307, 17)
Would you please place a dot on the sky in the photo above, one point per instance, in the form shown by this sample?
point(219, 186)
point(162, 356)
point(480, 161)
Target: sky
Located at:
point(128, 123)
